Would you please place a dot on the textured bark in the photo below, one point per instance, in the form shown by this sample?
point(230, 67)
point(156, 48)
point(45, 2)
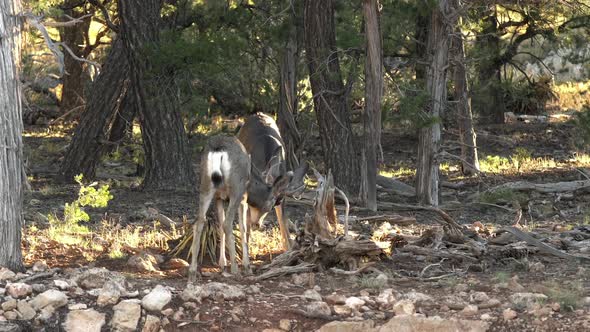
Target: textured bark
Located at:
point(489, 102)
point(11, 145)
point(167, 156)
point(470, 160)
point(87, 147)
point(75, 77)
point(329, 99)
point(288, 100)
point(373, 94)
point(122, 123)
point(429, 138)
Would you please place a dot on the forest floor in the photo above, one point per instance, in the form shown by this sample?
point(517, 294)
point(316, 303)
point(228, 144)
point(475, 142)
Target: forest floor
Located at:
point(514, 287)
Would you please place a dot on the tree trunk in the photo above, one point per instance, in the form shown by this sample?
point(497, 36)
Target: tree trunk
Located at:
point(122, 123)
point(86, 149)
point(11, 145)
point(429, 138)
point(75, 77)
point(489, 102)
point(373, 94)
point(329, 96)
point(470, 160)
point(288, 99)
point(167, 156)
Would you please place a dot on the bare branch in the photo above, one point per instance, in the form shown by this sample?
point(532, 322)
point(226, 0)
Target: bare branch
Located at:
point(72, 21)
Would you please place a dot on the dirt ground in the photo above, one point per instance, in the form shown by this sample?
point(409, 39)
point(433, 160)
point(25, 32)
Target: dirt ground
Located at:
point(446, 282)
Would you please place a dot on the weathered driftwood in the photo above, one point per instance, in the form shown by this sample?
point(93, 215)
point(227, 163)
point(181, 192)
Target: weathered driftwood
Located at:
point(284, 270)
point(395, 186)
point(324, 220)
point(449, 254)
point(555, 187)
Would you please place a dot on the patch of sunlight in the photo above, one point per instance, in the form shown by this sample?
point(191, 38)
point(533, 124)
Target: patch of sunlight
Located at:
point(265, 242)
point(581, 159)
point(572, 95)
point(395, 173)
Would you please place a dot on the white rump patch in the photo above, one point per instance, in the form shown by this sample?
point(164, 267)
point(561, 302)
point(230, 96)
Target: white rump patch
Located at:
point(218, 162)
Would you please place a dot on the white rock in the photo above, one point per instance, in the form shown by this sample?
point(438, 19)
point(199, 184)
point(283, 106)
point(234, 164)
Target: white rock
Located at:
point(312, 295)
point(342, 310)
point(479, 297)
point(46, 313)
point(404, 307)
point(354, 303)
point(9, 305)
point(415, 323)
point(213, 290)
point(335, 299)
point(386, 298)
point(40, 266)
point(95, 278)
point(340, 326)
point(126, 316)
point(318, 308)
point(88, 320)
point(25, 310)
point(77, 306)
point(469, 310)
point(157, 298)
point(527, 300)
point(52, 297)
point(486, 316)
point(144, 262)
point(152, 324)
point(61, 284)
point(19, 290)
point(417, 297)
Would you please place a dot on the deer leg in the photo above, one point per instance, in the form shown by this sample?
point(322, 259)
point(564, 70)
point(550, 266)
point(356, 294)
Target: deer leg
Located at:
point(230, 240)
point(204, 202)
point(283, 226)
point(243, 210)
point(221, 234)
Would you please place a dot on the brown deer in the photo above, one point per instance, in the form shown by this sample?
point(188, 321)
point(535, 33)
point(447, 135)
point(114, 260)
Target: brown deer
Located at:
point(226, 175)
point(261, 137)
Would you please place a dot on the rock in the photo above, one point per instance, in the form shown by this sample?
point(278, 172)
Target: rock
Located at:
point(539, 311)
point(51, 297)
point(168, 312)
point(175, 264)
point(479, 297)
point(40, 266)
point(77, 306)
point(411, 323)
point(537, 267)
point(144, 262)
point(179, 315)
point(461, 288)
point(509, 314)
point(354, 303)
point(110, 293)
point(213, 290)
point(527, 300)
point(555, 306)
point(318, 308)
point(25, 310)
point(126, 316)
point(88, 320)
point(417, 297)
point(404, 307)
point(312, 295)
point(152, 324)
point(335, 299)
point(6, 274)
point(469, 310)
point(382, 278)
point(303, 279)
point(486, 317)
point(514, 286)
point(9, 305)
point(253, 289)
point(39, 288)
point(46, 313)
point(63, 285)
point(342, 310)
point(95, 278)
point(336, 326)
point(11, 315)
point(159, 297)
point(19, 290)
point(386, 298)
point(285, 324)
point(364, 293)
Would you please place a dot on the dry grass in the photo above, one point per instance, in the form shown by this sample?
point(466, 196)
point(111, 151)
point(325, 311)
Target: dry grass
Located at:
point(572, 95)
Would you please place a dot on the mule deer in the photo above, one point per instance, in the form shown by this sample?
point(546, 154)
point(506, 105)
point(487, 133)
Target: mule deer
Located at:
point(226, 175)
point(262, 140)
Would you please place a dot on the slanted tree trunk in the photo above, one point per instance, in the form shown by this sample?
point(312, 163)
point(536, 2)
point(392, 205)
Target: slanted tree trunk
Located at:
point(74, 79)
point(122, 123)
point(11, 145)
point(288, 99)
point(373, 94)
point(86, 149)
point(429, 137)
point(329, 96)
point(470, 160)
point(167, 156)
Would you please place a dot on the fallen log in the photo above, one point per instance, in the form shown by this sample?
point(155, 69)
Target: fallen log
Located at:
point(555, 187)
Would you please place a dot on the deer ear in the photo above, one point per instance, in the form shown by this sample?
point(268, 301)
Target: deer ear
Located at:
point(273, 167)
